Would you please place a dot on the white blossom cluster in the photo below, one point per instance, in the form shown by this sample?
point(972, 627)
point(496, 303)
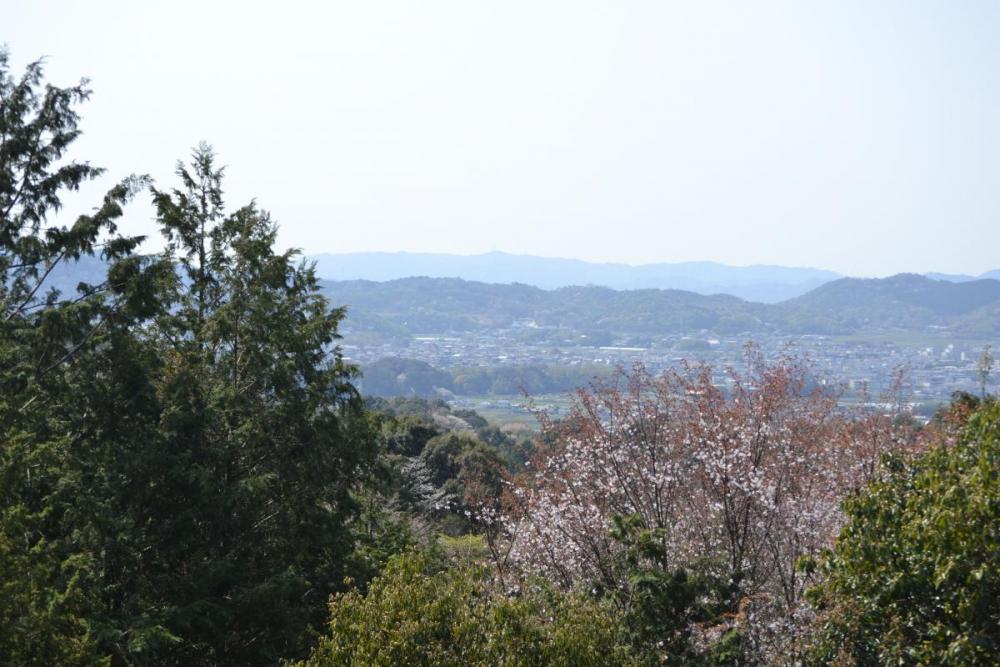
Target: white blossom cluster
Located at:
point(747, 480)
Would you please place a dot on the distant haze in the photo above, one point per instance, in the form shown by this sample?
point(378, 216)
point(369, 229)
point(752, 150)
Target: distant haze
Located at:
point(857, 136)
point(767, 284)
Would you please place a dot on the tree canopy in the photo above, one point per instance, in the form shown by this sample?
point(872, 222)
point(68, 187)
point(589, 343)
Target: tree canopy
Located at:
point(180, 443)
point(915, 576)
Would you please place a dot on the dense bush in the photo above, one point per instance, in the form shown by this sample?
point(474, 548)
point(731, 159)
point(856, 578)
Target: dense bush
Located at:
point(394, 376)
point(915, 575)
point(530, 378)
point(416, 614)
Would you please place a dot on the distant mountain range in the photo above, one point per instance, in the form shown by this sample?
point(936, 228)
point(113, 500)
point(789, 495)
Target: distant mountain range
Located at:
point(899, 304)
point(767, 284)
point(965, 306)
point(963, 278)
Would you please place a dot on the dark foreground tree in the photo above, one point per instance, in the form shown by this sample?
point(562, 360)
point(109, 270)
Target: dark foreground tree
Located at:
point(47, 573)
point(177, 452)
point(238, 501)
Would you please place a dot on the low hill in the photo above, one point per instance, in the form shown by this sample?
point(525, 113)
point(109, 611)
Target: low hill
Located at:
point(906, 302)
point(900, 302)
point(402, 307)
point(449, 304)
point(754, 283)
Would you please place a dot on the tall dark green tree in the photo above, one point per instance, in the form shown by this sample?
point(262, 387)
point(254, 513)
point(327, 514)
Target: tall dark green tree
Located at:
point(241, 528)
point(180, 440)
point(46, 571)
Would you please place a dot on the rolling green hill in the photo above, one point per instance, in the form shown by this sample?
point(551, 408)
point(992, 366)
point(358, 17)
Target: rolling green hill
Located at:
point(400, 308)
point(905, 302)
point(450, 304)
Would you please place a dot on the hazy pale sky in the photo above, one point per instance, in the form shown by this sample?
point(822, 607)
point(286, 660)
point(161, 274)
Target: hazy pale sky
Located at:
point(862, 136)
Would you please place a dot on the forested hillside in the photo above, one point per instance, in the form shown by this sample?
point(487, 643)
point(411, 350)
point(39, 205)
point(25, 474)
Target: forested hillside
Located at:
point(906, 302)
point(394, 376)
point(903, 303)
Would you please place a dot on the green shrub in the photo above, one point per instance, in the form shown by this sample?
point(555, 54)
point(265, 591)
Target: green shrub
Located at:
point(415, 614)
point(915, 575)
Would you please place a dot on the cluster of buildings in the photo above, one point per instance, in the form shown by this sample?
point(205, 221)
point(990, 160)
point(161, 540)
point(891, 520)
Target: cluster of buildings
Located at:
point(926, 368)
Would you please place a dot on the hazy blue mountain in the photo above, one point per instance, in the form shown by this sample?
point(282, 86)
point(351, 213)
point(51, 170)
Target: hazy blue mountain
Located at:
point(951, 277)
point(963, 277)
point(768, 284)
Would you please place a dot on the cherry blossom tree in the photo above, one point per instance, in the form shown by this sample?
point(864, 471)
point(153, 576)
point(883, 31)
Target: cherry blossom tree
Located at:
point(739, 473)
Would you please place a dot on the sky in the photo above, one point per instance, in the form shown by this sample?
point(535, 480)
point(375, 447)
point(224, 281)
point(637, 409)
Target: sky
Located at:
point(856, 136)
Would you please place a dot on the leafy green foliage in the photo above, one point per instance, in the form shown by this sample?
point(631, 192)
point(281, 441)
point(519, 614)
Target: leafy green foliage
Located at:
point(915, 575)
point(238, 502)
point(435, 468)
point(418, 614)
point(661, 601)
point(393, 376)
point(530, 378)
point(178, 453)
point(48, 574)
point(459, 461)
point(408, 423)
point(44, 590)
